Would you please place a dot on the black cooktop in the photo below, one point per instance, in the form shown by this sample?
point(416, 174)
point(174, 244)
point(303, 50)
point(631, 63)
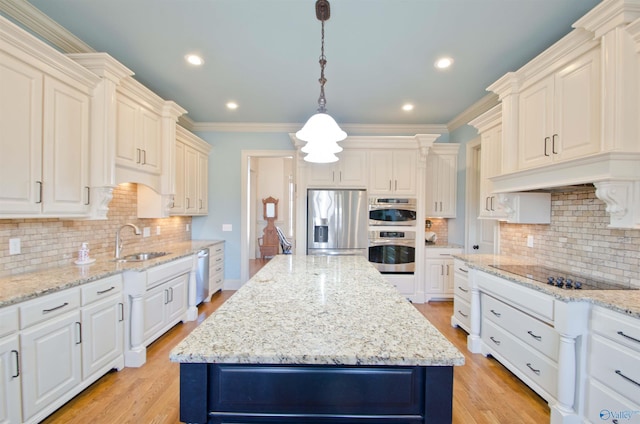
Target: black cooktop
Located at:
point(560, 278)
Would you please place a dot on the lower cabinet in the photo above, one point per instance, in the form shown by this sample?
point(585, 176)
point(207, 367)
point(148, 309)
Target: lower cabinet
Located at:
point(439, 273)
point(164, 306)
point(10, 387)
point(461, 296)
point(216, 269)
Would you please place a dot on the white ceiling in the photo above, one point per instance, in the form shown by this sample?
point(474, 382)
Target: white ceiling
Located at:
point(263, 54)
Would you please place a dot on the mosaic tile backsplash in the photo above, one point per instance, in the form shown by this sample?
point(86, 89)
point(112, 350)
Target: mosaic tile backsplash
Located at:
point(578, 239)
point(53, 242)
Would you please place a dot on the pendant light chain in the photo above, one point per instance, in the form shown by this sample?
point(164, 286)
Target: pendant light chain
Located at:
point(323, 62)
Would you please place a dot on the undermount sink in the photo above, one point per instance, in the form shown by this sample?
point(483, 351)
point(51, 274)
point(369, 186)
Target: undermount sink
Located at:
point(143, 256)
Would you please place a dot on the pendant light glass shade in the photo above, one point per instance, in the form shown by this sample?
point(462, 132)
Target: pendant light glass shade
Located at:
point(320, 128)
point(321, 157)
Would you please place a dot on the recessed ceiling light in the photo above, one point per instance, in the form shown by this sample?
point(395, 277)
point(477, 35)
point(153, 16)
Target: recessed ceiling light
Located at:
point(194, 59)
point(407, 107)
point(443, 63)
point(232, 105)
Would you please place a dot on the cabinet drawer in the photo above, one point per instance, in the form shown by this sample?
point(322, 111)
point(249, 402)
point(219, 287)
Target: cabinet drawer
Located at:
point(48, 306)
point(617, 327)
point(528, 362)
point(535, 303)
point(615, 366)
point(101, 289)
point(461, 288)
point(217, 249)
point(8, 320)
point(535, 333)
point(462, 311)
point(605, 405)
point(165, 272)
point(441, 252)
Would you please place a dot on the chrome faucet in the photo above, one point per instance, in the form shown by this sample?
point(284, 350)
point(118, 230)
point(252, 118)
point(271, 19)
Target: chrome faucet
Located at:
point(119, 242)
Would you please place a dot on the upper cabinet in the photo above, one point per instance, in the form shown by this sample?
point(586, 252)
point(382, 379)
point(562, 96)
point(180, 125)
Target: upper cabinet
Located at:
point(192, 174)
point(138, 135)
point(441, 185)
point(392, 172)
point(45, 98)
point(559, 116)
point(350, 171)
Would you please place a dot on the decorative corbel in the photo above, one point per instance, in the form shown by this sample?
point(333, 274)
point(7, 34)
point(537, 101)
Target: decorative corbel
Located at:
point(425, 141)
point(101, 197)
point(623, 202)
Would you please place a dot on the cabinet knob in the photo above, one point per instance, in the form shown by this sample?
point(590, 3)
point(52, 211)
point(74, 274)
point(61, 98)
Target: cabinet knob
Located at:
point(476, 247)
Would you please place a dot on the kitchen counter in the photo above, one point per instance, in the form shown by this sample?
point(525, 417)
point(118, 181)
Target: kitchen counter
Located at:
point(22, 287)
point(624, 301)
point(334, 320)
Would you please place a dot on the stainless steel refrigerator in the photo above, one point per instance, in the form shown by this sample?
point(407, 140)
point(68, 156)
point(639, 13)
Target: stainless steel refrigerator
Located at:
point(337, 222)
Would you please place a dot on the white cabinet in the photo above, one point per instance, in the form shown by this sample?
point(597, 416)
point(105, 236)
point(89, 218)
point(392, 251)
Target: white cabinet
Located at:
point(216, 269)
point(138, 135)
point(350, 171)
point(44, 167)
point(192, 174)
point(393, 172)
point(10, 397)
point(164, 305)
point(613, 383)
point(102, 316)
point(461, 296)
point(559, 116)
point(441, 184)
point(50, 350)
point(439, 273)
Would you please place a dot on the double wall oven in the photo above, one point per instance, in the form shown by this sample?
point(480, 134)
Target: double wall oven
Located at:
point(392, 250)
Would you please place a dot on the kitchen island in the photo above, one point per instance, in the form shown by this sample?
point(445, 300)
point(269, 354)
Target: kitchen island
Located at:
point(316, 339)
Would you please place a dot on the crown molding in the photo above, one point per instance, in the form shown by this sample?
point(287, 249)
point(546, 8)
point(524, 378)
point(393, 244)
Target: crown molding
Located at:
point(32, 18)
point(475, 110)
point(291, 128)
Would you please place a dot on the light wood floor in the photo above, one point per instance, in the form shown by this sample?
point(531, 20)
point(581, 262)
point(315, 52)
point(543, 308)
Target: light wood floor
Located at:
point(484, 391)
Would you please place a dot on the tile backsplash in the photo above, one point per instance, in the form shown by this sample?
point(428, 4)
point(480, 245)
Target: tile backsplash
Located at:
point(578, 240)
point(54, 242)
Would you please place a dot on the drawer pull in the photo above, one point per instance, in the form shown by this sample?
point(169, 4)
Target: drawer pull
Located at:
point(79, 327)
point(106, 291)
point(463, 314)
point(46, 311)
point(17, 374)
point(498, 314)
point(538, 338)
point(533, 369)
point(463, 289)
point(628, 337)
point(495, 341)
point(463, 270)
point(627, 378)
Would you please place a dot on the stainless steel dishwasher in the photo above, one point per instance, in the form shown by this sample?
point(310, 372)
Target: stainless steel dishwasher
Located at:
point(202, 276)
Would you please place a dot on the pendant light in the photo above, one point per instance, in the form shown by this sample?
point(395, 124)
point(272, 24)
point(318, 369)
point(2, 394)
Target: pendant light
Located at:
point(321, 132)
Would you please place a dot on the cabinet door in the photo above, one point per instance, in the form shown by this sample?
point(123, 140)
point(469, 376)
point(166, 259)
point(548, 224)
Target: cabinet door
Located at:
point(435, 276)
point(535, 124)
point(66, 149)
point(9, 381)
point(102, 334)
point(441, 186)
point(178, 198)
point(151, 128)
point(352, 169)
point(177, 305)
point(577, 108)
point(203, 184)
point(127, 150)
point(154, 312)
point(404, 172)
point(190, 180)
point(490, 165)
point(380, 171)
point(448, 277)
point(20, 137)
point(51, 361)
point(321, 175)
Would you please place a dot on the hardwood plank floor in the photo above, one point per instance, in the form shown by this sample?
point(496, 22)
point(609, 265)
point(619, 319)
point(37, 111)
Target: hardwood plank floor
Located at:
point(484, 391)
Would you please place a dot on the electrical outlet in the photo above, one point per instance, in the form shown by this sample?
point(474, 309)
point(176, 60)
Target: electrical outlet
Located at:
point(188, 227)
point(529, 240)
point(14, 246)
point(227, 227)
point(158, 230)
point(146, 232)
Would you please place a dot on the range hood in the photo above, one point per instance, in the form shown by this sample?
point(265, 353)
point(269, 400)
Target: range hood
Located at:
point(616, 177)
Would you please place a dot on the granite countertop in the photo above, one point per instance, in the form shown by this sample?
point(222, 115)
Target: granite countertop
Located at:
point(335, 310)
point(21, 287)
point(623, 301)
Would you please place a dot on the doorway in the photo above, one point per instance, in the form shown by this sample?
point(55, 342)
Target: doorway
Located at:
point(265, 173)
point(483, 235)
